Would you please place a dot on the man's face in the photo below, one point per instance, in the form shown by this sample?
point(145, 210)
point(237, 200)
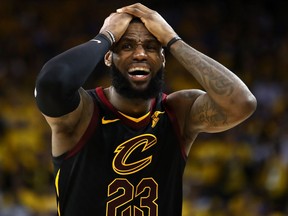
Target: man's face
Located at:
point(137, 63)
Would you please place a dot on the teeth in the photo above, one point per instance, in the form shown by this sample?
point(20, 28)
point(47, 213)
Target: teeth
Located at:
point(138, 69)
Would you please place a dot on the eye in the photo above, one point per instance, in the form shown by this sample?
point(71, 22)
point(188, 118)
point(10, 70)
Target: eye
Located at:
point(127, 46)
point(153, 47)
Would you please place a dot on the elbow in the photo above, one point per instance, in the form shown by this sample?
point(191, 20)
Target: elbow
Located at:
point(248, 106)
point(251, 104)
point(50, 78)
point(54, 95)
point(242, 109)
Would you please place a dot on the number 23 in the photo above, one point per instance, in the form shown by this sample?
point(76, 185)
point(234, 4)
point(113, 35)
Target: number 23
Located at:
point(128, 192)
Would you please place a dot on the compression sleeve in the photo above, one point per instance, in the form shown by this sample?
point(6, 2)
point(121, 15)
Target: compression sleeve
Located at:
point(60, 78)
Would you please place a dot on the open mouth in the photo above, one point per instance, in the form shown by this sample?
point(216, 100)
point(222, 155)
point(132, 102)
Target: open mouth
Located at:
point(139, 72)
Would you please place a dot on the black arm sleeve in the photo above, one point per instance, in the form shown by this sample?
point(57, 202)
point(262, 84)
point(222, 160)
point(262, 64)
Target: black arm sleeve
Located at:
point(60, 78)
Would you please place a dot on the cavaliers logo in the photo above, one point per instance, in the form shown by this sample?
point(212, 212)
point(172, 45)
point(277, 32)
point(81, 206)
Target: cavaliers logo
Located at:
point(124, 150)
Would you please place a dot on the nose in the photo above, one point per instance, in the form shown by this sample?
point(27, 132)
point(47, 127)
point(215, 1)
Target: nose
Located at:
point(139, 53)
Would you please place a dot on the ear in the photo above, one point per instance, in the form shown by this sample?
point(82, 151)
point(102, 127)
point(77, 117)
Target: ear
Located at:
point(108, 58)
point(163, 57)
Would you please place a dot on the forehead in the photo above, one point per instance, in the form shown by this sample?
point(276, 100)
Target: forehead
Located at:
point(137, 31)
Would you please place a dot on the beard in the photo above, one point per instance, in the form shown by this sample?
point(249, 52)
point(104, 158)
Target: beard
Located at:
point(124, 88)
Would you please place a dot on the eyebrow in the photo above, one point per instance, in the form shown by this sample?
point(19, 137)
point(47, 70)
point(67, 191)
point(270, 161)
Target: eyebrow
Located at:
point(130, 39)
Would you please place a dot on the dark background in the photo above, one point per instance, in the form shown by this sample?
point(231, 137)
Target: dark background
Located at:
point(239, 172)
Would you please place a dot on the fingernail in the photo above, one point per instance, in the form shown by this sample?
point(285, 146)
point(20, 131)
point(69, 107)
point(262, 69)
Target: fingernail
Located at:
point(119, 10)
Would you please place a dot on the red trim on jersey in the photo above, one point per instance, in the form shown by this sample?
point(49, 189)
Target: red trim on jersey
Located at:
point(87, 134)
point(127, 121)
point(172, 117)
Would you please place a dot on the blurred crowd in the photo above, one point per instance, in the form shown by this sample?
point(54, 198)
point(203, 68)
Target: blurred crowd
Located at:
point(241, 172)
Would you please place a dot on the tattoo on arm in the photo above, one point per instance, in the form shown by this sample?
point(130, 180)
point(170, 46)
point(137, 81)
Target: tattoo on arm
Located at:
point(221, 86)
point(209, 113)
point(209, 72)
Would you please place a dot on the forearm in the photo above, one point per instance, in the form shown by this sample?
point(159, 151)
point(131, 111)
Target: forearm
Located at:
point(219, 82)
point(59, 80)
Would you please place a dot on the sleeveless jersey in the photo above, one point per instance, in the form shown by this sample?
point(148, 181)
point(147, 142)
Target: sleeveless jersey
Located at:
point(121, 166)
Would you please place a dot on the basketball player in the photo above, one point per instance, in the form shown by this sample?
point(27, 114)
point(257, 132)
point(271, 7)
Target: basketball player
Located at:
point(121, 150)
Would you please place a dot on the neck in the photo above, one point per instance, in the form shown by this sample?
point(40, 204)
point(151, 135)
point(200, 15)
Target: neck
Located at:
point(131, 107)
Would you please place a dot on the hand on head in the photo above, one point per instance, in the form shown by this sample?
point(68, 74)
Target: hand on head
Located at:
point(118, 22)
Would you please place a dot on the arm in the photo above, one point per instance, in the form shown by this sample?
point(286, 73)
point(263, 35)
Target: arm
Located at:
point(227, 100)
point(58, 91)
point(59, 80)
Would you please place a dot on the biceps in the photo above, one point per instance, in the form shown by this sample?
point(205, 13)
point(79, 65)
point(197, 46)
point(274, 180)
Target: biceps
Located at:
point(207, 116)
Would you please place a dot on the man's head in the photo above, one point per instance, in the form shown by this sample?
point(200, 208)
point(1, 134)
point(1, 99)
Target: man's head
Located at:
point(137, 63)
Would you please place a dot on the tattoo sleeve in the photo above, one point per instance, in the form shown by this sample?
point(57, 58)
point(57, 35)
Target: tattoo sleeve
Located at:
point(226, 101)
point(214, 77)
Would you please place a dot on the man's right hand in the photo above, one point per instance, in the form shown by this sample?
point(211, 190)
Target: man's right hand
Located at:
point(116, 23)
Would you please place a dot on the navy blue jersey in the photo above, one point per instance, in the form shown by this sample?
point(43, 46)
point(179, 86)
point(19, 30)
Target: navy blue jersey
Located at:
point(123, 166)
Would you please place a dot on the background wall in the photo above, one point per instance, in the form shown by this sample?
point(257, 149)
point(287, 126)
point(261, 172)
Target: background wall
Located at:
point(239, 172)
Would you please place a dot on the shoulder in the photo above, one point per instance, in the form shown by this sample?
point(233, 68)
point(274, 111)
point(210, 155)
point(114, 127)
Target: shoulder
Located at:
point(181, 103)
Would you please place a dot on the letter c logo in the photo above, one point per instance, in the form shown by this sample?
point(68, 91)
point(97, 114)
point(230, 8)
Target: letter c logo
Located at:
point(124, 150)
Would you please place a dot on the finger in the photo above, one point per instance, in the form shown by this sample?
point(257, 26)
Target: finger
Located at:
point(136, 6)
point(137, 10)
point(132, 11)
